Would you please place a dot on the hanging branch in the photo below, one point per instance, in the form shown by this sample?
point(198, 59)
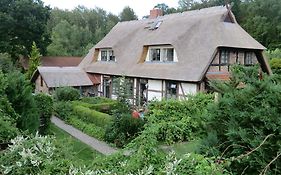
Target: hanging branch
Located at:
point(267, 166)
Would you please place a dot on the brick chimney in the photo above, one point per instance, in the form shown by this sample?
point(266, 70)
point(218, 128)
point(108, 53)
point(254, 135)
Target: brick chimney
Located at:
point(154, 13)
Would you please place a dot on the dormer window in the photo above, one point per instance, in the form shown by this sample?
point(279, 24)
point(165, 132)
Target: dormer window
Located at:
point(161, 54)
point(107, 55)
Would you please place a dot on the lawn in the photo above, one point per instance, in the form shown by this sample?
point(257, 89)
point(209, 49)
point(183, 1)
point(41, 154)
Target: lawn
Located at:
point(76, 151)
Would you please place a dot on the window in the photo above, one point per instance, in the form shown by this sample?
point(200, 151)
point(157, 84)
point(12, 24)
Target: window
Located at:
point(155, 54)
point(224, 57)
point(161, 54)
point(107, 55)
point(248, 60)
point(171, 89)
point(168, 54)
point(41, 81)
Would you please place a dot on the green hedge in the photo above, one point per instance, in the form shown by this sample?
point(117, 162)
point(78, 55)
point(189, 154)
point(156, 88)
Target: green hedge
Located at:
point(96, 100)
point(87, 128)
point(92, 116)
point(107, 107)
point(63, 110)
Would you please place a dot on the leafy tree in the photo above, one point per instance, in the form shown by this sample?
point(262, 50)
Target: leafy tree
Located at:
point(69, 40)
point(22, 22)
point(6, 64)
point(34, 60)
point(185, 5)
point(128, 14)
point(165, 8)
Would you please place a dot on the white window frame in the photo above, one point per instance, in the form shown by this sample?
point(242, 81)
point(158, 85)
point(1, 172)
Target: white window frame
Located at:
point(110, 57)
point(163, 54)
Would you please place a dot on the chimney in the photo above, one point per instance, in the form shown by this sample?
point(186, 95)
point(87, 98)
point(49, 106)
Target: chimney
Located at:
point(154, 13)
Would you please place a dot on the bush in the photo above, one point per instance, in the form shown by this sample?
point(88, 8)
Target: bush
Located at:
point(44, 104)
point(19, 94)
point(243, 118)
point(275, 64)
point(96, 100)
point(66, 94)
point(179, 120)
point(105, 107)
point(63, 110)
point(92, 116)
point(123, 129)
point(88, 128)
point(8, 128)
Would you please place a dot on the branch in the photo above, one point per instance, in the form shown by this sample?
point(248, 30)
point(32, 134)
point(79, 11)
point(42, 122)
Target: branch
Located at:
point(247, 154)
point(267, 166)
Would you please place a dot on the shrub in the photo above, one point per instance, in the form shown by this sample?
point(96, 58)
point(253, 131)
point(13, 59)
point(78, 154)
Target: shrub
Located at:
point(105, 107)
point(92, 116)
point(19, 94)
point(123, 129)
point(32, 155)
point(8, 128)
point(275, 64)
point(243, 118)
point(88, 128)
point(63, 110)
point(179, 120)
point(96, 100)
point(66, 94)
point(44, 104)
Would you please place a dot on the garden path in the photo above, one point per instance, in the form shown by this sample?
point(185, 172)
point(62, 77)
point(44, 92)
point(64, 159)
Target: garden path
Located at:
point(100, 146)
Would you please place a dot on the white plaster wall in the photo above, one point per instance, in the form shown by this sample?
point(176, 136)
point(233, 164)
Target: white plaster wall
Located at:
point(188, 88)
point(153, 86)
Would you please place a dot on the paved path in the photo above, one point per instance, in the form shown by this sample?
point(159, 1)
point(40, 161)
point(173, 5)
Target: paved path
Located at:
point(100, 146)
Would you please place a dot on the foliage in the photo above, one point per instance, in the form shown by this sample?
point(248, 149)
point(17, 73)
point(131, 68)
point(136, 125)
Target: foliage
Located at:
point(275, 64)
point(32, 155)
point(63, 109)
point(34, 60)
point(91, 116)
point(19, 94)
point(96, 100)
point(178, 120)
point(243, 118)
point(44, 104)
point(108, 107)
point(128, 14)
point(123, 129)
point(75, 32)
point(66, 94)
point(8, 128)
point(6, 64)
point(88, 128)
point(69, 40)
point(276, 53)
point(22, 22)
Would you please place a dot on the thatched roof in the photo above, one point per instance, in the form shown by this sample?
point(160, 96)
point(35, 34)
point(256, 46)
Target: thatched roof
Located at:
point(63, 76)
point(54, 61)
point(195, 35)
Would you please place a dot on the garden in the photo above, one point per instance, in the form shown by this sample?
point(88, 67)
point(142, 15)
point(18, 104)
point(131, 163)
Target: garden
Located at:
point(238, 133)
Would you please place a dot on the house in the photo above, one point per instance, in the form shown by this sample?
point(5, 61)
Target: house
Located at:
point(173, 55)
point(54, 61)
point(47, 79)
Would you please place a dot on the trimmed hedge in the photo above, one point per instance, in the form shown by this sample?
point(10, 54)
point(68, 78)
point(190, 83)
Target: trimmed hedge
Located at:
point(66, 94)
point(88, 128)
point(107, 107)
point(63, 110)
point(96, 100)
point(92, 116)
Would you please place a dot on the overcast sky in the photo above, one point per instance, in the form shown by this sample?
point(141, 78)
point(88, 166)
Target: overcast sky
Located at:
point(141, 7)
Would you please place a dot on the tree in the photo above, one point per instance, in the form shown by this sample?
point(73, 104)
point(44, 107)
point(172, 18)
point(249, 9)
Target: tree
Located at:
point(69, 40)
point(185, 4)
point(34, 60)
point(22, 22)
point(128, 14)
point(165, 8)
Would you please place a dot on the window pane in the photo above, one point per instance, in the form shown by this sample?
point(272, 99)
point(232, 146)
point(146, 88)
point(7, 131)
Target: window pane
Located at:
point(103, 55)
point(249, 58)
point(111, 55)
point(224, 57)
point(171, 89)
point(155, 54)
point(170, 54)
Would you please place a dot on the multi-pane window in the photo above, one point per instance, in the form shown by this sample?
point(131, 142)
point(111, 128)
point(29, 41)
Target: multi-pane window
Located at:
point(107, 55)
point(171, 89)
point(155, 54)
point(224, 57)
point(248, 58)
point(161, 54)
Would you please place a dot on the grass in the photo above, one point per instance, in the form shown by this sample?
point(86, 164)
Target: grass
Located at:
point(76, 151)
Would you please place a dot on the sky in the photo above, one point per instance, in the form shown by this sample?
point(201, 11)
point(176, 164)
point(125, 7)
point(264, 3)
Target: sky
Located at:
point(140, 7)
